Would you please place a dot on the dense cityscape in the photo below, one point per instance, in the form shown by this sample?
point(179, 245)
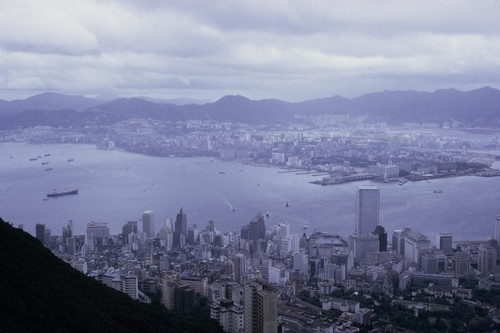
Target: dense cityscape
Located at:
point(264, 276)
point(336, 147)
point(249, 166)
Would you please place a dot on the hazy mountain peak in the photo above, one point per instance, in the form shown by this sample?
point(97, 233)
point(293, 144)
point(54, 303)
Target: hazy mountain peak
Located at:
point(233, 99)
point(476, 107)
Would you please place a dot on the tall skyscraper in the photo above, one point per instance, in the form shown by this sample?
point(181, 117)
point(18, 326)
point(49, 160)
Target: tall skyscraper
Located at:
point(367, 209)
point(180, 228)
point(40, 232)
point(261, 308)
point(47, 235)
point(257, 228)
point(148, 223)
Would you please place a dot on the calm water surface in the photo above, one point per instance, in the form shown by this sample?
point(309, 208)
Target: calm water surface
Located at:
point(117, 186)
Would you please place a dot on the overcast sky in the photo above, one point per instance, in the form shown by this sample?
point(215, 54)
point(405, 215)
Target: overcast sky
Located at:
point(291, 50)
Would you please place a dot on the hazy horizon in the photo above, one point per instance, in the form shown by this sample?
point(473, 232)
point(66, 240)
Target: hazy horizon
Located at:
point(104, 98)
point(292, 51)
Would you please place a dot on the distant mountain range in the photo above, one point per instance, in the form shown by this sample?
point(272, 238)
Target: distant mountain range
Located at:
point(480, 107)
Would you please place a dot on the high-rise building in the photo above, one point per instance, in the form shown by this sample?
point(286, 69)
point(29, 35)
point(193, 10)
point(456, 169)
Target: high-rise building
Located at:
point(180, 228)
point(130, 286)
point(129, 227)
point(497, 228)
point(433, 262)
point(382, 238)
point(234, 291)
point(170, 281)
point(229, 315)
point(398, 240)
point(148, 223)
point(415, 244)
point(261, 308)
point(40, 232)
point(47, 236)
point(461, 262)
point(301, 262)
point(487, 259)
point(67, 233)
point(240, 267)
point(190, 237)
point(362, 244)
point(367, 209)
point(184, 298)
point(257, 228)
point(444, 242)
point(97, 234)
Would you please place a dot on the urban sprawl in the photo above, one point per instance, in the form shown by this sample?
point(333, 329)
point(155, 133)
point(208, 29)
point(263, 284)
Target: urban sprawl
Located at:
point(263, 276)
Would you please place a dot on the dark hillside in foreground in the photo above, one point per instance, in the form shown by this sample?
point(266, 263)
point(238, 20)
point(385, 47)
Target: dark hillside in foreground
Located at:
point(41, 293)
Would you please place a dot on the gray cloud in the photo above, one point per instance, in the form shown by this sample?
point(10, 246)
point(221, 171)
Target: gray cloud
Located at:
point(285, 49)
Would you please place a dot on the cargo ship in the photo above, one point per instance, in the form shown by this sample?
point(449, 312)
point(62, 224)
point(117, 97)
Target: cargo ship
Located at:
point(61, 193)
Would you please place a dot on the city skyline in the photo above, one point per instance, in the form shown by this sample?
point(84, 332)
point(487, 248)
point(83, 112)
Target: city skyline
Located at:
point(250, 166)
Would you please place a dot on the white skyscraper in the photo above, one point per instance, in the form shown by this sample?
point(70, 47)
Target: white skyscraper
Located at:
point(367, 209)
point(148, 223)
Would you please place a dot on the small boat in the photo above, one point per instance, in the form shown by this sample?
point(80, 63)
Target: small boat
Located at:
point(287, 203)
point(33, 159)
point(438, 191)
point(70, 160)
point(47, 155)
point(56, 193)
point(45, 163)
point(222, 173)
point(48, 169)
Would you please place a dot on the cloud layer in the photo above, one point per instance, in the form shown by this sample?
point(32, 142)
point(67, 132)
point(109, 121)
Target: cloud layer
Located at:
point(292, 50)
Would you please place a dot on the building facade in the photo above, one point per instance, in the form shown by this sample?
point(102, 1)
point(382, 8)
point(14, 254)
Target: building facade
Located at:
point(148, 223)
point(260, 308)
point(367, 209)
